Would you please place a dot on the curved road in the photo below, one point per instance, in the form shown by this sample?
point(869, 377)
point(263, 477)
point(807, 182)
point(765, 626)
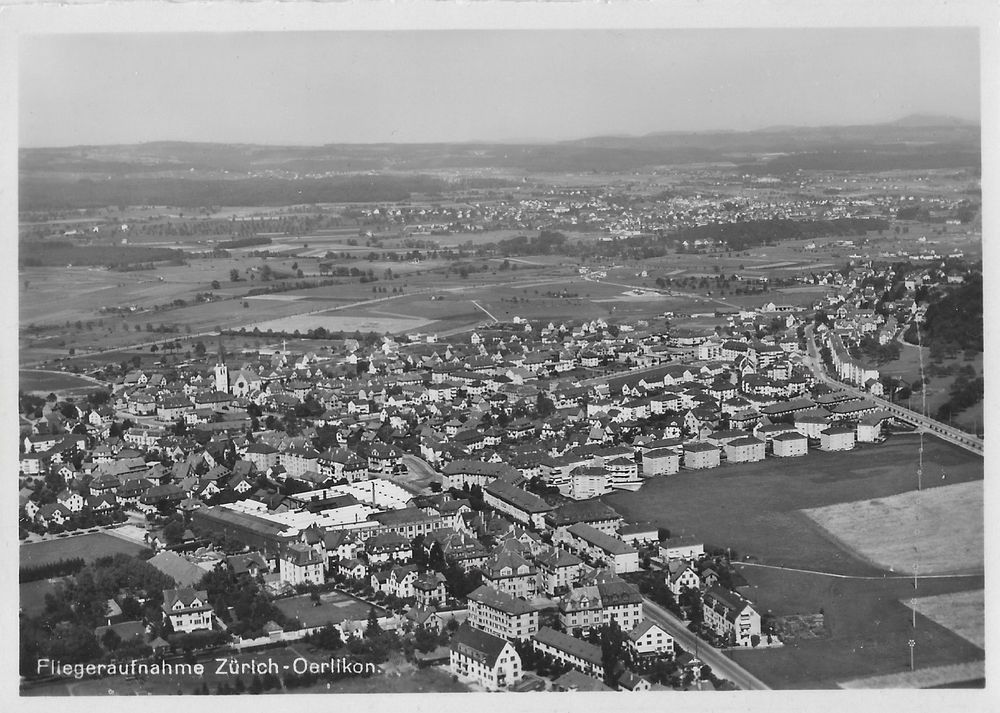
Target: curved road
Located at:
point(722, 665)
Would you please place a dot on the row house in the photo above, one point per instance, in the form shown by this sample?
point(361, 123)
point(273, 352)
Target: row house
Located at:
point(582, 538)
point(581, 655)
point(518, 504)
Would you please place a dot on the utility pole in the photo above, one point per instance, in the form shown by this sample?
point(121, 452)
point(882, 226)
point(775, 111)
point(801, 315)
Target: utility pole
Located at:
point(911, 643)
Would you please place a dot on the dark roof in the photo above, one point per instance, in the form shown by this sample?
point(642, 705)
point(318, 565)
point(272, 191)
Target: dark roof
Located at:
point(570, 645)
point(581, 511)
point(513, 495)
point(478, 645)
point(598, 538)
point(501, 601)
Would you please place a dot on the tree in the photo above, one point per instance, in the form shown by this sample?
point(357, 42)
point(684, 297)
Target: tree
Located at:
point(111, 641)
point(216, 285)
point(173, 533)
point(372, 629)
point(234, 275)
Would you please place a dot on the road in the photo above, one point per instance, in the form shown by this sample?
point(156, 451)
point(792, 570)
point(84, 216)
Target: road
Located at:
point(943, 431)
point(722, 665)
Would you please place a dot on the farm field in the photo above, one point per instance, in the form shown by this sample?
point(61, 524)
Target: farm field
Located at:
point(336, 608)
point(868, 628)
point(340, 323)
point(40, 380)
point(938, 530)
point(961, 612)
point(89, 547)
point(755, 508)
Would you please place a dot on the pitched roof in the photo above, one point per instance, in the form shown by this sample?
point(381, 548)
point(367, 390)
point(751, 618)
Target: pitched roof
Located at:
point(501, 601)
point(478, 645)
point(570, 645)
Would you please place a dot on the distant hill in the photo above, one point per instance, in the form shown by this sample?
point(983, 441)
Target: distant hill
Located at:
point(176, 173)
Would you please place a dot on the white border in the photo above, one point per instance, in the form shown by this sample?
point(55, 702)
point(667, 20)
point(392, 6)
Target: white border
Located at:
point(19, 17)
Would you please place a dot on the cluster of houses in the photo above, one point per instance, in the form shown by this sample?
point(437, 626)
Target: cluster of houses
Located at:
point(515, 414)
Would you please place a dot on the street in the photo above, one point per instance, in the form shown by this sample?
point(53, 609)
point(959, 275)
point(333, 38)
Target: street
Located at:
point(722, 665)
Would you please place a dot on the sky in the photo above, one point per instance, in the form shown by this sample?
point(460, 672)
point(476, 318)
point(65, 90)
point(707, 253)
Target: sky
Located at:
point(503, 86)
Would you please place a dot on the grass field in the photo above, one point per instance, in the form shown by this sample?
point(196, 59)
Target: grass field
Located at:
point(938, 530)
point(336, 608)
point(755, 507)
point(961, 612)
point(334, 322)
point(89, 547)
point(965, 675)
point(36, 380)
point(868, 624)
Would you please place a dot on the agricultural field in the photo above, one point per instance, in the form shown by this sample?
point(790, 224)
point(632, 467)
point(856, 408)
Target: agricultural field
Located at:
point(961, 612)
point(89, 547)
point(336, 607)
point(755, 508)
point(937, 530)
point(51, 381)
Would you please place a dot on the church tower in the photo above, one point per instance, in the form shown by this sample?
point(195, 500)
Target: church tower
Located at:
point(222, 378)
point(221, 371)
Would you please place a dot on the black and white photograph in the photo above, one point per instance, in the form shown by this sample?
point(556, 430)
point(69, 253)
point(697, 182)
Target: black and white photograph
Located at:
point(481, 354)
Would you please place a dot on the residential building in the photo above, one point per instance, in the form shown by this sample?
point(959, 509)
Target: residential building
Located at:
point(187, 610)
point(501, 614)
point(488, 660)
point(730, 616)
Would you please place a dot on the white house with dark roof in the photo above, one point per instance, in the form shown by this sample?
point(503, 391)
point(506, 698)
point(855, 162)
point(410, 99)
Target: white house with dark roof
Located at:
point(301, 564)
point(837, 438)
point(187, 610)
point(501, 614)
point(488, 660)
point(650, 639)
point(730, 616)
point(788, 445)
point(744, 450)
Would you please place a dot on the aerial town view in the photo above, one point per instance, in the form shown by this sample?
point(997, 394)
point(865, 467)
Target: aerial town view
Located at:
point(403, 362)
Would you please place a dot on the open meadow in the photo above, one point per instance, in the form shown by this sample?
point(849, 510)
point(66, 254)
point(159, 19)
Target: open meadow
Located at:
point(755, 508)
point(867, 624)
point(937, 530)
point(89, 547)
point(960, 612)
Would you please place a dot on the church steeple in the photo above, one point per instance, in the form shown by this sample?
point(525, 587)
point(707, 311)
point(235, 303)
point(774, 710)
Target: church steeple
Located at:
point(221, 371)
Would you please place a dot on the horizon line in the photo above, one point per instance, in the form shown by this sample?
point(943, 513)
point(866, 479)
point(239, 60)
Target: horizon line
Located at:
point(948, 120)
